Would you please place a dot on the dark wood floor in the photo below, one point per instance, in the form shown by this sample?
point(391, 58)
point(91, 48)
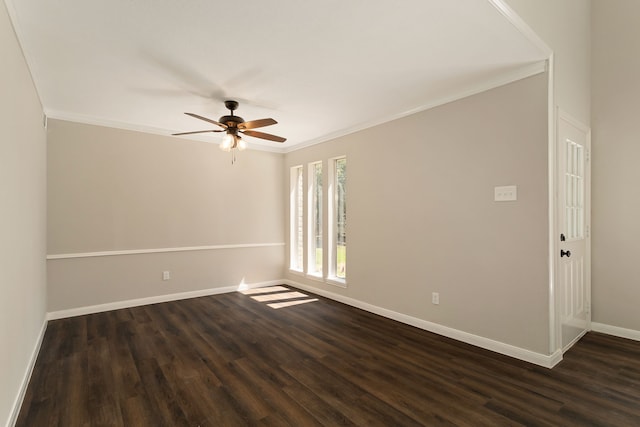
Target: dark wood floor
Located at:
point(230, 360)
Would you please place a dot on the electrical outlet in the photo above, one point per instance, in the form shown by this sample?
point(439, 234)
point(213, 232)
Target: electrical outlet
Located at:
point(435, 298)
point(507, 193)
point(166, 275)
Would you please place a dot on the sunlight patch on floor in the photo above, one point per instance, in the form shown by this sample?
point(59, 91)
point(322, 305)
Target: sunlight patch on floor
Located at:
point(264, 290)
point(278, 296)
point(290, 303)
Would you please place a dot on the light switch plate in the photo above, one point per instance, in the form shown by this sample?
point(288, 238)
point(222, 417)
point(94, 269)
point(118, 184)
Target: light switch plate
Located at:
point(507, 193)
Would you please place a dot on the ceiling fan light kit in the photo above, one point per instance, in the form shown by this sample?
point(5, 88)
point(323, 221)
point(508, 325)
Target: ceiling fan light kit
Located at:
point(232, 125)
point(230, 142)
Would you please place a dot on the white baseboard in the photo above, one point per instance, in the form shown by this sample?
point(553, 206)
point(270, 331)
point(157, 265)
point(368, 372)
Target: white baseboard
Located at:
point(80, 311)
point(575, 340)
point(547, 361)
point(616, 331)
point(17, 404)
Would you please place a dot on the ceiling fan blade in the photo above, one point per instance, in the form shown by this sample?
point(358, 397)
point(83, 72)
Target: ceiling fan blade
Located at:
point(257, 124)
point(195, 131)
point(263, 135)
point(207, 120)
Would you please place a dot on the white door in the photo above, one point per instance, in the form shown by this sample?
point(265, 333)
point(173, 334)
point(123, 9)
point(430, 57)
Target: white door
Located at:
point(574, 290)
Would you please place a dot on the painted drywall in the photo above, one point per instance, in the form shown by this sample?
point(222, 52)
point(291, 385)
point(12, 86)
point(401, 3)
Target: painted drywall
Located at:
point(564, 25)
point(114, 190)
point(421, 215)
point(616, 200)
point(22, 219)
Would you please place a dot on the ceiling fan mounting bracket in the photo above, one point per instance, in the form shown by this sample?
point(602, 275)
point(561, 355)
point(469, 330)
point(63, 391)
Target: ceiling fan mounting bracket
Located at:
point(231, 105)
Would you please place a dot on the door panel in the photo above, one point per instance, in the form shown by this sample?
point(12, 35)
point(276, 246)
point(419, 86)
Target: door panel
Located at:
point(573, 207)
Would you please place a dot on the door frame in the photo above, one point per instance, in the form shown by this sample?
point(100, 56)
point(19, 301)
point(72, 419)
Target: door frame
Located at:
point(554, 182)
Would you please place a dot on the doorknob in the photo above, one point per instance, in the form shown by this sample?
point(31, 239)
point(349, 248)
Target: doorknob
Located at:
point(565, 253)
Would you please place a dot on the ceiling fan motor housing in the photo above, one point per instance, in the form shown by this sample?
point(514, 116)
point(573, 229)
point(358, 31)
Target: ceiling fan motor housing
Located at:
point(231, 121)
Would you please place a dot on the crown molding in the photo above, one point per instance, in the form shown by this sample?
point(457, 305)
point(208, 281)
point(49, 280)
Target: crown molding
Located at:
point(116, 124)
point(521, 25)
point(501, 79)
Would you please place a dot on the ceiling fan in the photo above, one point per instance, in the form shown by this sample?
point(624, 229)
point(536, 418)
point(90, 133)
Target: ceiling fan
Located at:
point(235, 125)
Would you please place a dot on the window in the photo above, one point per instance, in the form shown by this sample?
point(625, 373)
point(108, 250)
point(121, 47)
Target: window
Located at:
point(574, 191)
point(322, 252)
point(338, 214)
point(315, 219)
point(296, 219)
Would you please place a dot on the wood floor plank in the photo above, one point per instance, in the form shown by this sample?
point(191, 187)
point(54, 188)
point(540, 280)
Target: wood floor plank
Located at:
point(418, 397)
point(271, 387)
point(230, 360)
point(104, 408)
point(321, 411)
point(73, 386)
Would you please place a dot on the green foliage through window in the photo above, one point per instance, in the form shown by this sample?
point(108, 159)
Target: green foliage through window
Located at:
point(315, 262)
point(341, 217)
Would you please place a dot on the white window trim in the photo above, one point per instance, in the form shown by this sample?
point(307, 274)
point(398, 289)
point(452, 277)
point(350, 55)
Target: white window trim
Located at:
point(332, 278)
point(296, 272)
point(336, 281)
point(316, 277)
point(293, 211)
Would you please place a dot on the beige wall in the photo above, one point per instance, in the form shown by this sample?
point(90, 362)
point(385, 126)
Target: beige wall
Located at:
point(22, 218)
point(616, 148)
point(565, 26)
point(114, 190)
point(421, 215)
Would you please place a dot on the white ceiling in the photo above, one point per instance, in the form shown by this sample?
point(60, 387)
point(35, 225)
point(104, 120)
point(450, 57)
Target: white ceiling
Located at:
point(320, 68)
